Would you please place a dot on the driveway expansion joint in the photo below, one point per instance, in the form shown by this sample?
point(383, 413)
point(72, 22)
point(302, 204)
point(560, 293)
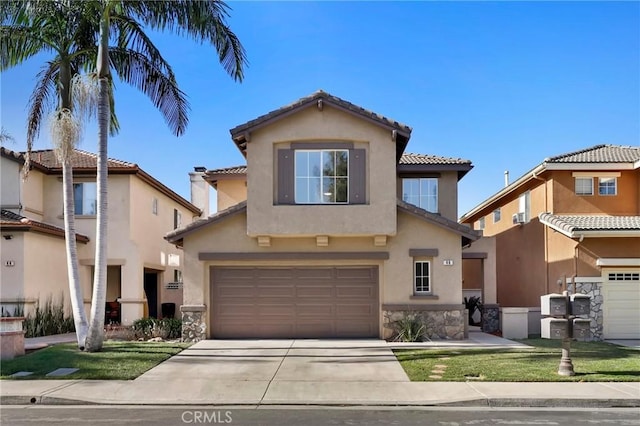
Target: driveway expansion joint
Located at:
point(276, 372)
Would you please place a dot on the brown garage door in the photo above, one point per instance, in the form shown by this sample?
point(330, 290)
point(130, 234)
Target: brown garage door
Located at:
point(294, 302)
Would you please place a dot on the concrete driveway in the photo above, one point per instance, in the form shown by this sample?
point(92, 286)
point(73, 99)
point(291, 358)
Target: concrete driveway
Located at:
point(274, 372)
point(283, 360)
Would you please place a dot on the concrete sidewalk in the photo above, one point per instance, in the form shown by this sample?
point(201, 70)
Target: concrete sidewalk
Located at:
point(261, 392)
point(312, 373)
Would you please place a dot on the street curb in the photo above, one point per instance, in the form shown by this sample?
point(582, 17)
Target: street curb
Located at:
point(481, 402)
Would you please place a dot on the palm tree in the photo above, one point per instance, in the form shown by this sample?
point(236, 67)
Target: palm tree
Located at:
point(29, 28)
point(79, 34)
point(136, 61)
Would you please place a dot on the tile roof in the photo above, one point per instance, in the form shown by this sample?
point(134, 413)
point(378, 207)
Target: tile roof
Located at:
point(436, 219)
point(12, 221)
point(573, 225)
point(178, 234)
point(238, 133)
point(86, 162)
point(235, 170)
point(607, 157)
point(410, 158)
point(600, 154)
point(79, 160)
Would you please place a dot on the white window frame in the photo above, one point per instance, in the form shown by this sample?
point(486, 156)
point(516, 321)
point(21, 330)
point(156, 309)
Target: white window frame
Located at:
point(497, 215)
point(580, 191)
point(322, 176)
point(524, 205)
point(428, 276)
point(600, 187)
point(481, 223)
point(423, 184)
point(86, 206)
point(154, 206)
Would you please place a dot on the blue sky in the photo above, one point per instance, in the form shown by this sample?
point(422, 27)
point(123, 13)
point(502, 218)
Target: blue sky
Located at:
point(503, 84)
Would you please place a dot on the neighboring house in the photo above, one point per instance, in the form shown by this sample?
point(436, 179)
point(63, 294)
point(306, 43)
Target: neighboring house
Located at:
point(313, 238)
point(143, 270)
point(573, 219)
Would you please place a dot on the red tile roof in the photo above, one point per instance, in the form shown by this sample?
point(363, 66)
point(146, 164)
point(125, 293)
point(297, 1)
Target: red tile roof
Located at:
point(10, 221)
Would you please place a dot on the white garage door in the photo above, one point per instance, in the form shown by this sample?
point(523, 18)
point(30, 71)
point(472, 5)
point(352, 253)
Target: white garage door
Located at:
point(621, 309)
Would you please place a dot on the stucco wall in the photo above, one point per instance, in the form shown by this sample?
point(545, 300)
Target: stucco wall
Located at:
point(447, 193)
point(481, 273)
point(231, 192)
point(32, 195)
point(312, 125)
point(396, 274)
point(12, 277)
point(45, 268)
point(10, 175)
point(626, 202)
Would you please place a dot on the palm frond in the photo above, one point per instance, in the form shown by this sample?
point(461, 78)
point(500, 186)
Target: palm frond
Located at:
point(42, 100)
point(204, 21)
point(17, 44)
point(136, 69)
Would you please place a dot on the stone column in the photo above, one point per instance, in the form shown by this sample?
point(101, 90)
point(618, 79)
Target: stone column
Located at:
point(194, 327)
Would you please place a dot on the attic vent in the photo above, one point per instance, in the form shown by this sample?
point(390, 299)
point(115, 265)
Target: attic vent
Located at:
point(173, 286)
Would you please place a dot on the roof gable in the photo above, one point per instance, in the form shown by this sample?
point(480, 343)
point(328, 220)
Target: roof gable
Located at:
point(240, 134)
point(599, 157)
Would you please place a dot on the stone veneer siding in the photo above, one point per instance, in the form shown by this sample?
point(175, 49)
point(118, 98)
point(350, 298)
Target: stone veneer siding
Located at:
point(194, 327)
point(593, 289)
point(441, 321)
point(490, 319)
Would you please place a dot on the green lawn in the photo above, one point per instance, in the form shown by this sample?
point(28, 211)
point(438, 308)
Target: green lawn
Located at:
point(592, 361)
point(117, 360)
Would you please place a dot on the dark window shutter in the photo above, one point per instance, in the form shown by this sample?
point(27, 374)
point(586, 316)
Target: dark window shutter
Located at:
point(286, 186)
point(357, 176)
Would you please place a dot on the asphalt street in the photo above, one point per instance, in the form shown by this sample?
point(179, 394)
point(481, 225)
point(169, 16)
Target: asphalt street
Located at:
point(207, 415)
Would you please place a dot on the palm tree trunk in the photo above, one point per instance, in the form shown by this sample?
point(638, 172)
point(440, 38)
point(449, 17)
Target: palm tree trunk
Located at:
point(95, 337)
point(65, 142)
point(75, 290)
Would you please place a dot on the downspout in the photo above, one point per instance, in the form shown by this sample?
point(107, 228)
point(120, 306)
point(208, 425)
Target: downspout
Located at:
point(546, 233)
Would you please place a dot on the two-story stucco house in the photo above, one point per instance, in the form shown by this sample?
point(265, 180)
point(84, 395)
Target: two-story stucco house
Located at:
point(330, 230)
point(144, 271)
point(572, 222)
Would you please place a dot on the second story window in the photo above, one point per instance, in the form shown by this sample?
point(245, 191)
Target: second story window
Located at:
point(496, 215)
point(584, 186)
point(607, 186)
point(481, 224)
point(321, 176)
point(421, 192)
point(154, 206)
point(524, 205)
point(177, 219)
point(85, 198)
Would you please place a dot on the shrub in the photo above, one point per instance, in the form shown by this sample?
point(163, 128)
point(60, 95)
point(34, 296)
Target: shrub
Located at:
point(48, 319)
point(166, 328)
point(409, 328)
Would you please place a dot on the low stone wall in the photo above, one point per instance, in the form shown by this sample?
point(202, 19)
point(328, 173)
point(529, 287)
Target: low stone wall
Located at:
point(11, 337)
point(194, 326)
point(441, 321)
point(593, 289)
